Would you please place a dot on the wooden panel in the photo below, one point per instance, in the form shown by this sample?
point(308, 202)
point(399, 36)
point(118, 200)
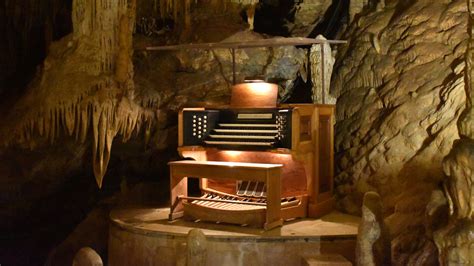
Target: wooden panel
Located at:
point(325, 171)
point(293, 177)
point(321, 208)
point(250, 217)
point(302, 123)
point(180, 129)
point(305, 128)
point(273, 214)
point(322, 199)
point(223, 170)
point(298, 211)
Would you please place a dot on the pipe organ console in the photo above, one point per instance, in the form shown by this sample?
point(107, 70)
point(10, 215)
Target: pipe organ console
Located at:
point(258, 163)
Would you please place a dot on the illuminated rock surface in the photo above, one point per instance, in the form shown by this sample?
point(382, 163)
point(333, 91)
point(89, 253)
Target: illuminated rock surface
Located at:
point(400, 82)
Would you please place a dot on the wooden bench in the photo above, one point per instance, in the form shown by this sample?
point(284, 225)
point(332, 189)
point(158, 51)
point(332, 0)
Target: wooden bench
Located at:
point(268, 173)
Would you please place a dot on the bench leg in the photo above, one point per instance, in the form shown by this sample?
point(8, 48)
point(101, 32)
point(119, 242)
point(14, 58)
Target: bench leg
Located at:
point(273, 213)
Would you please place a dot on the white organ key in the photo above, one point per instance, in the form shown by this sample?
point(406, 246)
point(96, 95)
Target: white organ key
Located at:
point(241, 137)
point(248, 125)
point(238, 143)
point(245, 131)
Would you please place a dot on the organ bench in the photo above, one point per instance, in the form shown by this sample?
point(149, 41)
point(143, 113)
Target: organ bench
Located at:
point(245, 212)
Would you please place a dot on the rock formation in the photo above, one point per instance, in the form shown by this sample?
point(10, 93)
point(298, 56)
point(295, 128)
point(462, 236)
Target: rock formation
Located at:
point(85, 83)
point(373, 240)
point(399, 82)
point(356, 7)
point(455, 240)
point(87, 257)
point(308, 14)
point(400, 87)
point(204, 77)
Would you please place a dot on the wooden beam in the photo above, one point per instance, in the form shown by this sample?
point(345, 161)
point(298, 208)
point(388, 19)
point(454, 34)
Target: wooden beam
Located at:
point(274, 42)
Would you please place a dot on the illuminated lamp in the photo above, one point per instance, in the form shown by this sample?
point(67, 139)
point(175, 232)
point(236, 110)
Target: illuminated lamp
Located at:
point(233, 154)
point(254, 94)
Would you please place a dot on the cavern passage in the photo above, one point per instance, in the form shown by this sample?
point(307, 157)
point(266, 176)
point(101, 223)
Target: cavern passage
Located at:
point(344, 135)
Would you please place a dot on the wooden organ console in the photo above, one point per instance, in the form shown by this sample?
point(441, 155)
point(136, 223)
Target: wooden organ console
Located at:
point(258, 163)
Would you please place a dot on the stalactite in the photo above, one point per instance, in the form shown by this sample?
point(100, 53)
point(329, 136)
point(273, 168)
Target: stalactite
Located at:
point(251, 16)
point(104, 132)
point(102, 102)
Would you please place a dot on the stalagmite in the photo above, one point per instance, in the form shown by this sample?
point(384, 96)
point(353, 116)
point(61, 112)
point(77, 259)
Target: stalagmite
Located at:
point(322, 63)
point(373, 244)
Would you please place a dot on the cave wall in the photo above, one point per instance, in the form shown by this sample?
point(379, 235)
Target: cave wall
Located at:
point(400, 82)
point(454, 239)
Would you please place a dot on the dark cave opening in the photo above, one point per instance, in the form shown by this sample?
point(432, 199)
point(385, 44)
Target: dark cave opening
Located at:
point(272, 17)
point(26, 31)
point(335, 18)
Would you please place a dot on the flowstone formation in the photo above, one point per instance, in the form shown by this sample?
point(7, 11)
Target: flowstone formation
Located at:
point(400, 92)
point(455, 241)
point(85, 84)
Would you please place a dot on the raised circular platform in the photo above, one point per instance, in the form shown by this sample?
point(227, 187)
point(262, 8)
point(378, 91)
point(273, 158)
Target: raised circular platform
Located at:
point(144, 236)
